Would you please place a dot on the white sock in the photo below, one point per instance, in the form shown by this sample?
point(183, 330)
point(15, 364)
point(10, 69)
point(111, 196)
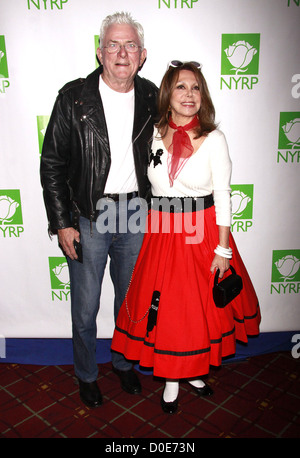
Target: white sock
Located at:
point(171, 390)
point(197, 383)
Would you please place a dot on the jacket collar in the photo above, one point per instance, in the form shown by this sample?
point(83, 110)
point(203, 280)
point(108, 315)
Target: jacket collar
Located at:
point(90, 97)
point(90, 93)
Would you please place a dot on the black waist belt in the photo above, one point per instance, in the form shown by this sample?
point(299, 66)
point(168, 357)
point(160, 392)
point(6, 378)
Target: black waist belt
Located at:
point(181, 204)
point(117, 197)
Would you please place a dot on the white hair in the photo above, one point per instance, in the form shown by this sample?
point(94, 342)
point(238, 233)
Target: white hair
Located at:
point(121, 18)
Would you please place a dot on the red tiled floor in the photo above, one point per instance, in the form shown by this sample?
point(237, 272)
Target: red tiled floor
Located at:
point(257, 398)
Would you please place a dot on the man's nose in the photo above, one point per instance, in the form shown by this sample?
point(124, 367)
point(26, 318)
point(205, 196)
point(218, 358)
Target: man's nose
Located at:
point(122, 50)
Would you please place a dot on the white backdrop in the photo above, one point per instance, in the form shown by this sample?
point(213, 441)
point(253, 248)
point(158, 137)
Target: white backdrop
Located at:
point(251, 60)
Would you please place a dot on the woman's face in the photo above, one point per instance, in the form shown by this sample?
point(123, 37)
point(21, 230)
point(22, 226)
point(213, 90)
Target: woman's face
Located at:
point(186, 98)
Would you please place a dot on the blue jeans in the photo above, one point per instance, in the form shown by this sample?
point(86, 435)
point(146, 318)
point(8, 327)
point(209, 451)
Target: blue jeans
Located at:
point(122, 247)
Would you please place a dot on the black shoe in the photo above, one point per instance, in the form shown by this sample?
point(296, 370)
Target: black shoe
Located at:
point(129, 381)
point(169, 407)
point(204, 391)
point(90, 394)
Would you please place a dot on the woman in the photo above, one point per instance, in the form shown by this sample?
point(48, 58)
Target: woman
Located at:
point(183, 332)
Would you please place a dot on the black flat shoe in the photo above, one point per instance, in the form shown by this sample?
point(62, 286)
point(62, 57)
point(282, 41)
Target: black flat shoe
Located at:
point(204, 391)
point(169, 407)
point(90, 394)
point(129, 381)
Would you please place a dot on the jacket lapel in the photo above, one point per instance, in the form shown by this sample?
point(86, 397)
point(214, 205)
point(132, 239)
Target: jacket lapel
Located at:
point(92, 108)
point(142, 112)
point(93, 112)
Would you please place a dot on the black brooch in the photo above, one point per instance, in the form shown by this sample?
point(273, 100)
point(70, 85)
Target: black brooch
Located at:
point(156, 158)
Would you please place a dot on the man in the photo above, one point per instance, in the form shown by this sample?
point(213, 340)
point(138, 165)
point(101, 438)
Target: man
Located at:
point(95, 147)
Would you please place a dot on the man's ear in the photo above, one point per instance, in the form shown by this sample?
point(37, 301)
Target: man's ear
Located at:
point(99, 55)
point(143, 58)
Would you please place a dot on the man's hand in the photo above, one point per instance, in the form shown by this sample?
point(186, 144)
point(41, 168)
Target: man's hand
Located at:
point(66, 239)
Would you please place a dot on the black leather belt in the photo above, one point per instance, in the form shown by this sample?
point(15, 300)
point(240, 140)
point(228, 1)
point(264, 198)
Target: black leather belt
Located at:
point(117, 197)
point(181, 204)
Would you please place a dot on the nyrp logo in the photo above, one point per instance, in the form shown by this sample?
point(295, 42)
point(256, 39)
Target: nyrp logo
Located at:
point(177, 3)
point(289, 137)
point(242, 207)
point(46, 4)
point(59, 278)
point(240, 60)
point(11, 219)
point(285, 271)
point(42, 122)
point(4, 83)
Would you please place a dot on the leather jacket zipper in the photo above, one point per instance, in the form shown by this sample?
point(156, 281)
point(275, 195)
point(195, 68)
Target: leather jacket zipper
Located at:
point(91, 185)
point(142, 129)
point(91, 143)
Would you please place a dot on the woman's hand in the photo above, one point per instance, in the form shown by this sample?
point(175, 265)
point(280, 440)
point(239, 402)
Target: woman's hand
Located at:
point(220, 263)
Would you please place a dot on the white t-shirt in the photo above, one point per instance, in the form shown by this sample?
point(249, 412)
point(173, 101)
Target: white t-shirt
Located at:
point(119, 114)
point(207, 171)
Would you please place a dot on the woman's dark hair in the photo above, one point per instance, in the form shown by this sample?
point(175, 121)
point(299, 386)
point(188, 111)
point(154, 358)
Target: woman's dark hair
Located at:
point(206, 113)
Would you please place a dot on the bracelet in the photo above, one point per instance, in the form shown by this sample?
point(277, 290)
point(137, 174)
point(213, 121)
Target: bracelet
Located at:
point(224, 252)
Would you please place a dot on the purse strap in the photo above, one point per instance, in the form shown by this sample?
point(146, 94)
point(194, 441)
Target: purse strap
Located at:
point(218, 272)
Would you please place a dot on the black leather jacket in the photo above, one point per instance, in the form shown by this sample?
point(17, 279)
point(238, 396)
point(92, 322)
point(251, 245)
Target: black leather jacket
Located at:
point(76, 157)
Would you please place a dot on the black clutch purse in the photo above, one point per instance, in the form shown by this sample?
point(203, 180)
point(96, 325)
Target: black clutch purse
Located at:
point(227, 289)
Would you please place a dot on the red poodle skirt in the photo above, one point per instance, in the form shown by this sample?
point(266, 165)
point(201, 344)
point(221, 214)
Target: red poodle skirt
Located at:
point(189, 332)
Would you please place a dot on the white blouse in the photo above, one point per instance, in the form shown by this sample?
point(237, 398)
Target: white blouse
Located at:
point(207, 171)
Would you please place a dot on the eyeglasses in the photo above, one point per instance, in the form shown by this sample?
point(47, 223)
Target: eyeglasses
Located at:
point(178, 63)
point(114, 47)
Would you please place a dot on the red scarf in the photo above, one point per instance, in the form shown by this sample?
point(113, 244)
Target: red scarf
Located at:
point(181, 147)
